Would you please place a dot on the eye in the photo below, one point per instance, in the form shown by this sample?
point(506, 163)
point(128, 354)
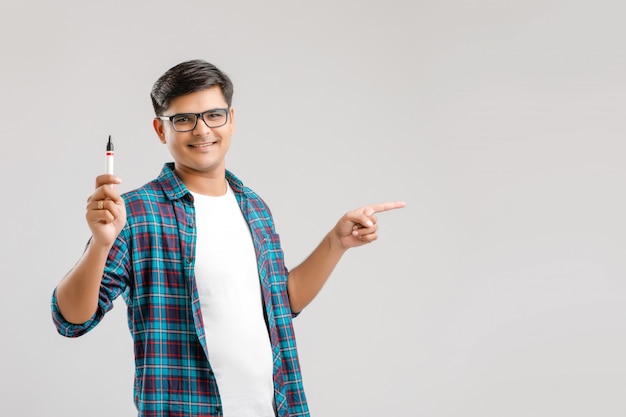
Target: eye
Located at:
point(214, 115)
point(181, 118)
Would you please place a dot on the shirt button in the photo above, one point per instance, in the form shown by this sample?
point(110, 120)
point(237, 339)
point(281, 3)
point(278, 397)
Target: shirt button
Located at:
point(218, 409)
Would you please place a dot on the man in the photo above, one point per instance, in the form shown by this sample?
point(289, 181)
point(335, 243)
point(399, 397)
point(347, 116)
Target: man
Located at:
point(195, 255)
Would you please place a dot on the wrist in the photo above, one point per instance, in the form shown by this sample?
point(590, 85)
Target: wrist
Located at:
point(335, 244)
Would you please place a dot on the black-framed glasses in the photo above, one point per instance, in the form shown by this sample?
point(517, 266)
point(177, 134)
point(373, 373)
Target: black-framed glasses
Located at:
point(184, 122)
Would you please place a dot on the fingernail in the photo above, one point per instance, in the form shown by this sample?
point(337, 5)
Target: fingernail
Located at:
point(369, 223)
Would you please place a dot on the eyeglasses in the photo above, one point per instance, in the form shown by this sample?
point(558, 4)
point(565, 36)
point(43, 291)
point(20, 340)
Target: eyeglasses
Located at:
point(185, 122)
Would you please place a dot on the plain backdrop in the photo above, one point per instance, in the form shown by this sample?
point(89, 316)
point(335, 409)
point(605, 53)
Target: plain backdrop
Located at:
point(498, 291)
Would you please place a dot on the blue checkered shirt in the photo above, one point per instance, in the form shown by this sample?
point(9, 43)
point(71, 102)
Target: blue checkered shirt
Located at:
point(151, 265)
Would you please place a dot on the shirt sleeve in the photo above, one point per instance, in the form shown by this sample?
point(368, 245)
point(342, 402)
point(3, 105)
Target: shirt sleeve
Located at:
point(67, 329)
point(114, 282)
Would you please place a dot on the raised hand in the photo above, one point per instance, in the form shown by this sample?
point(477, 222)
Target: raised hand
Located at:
point(106, 212)
point(360, 226)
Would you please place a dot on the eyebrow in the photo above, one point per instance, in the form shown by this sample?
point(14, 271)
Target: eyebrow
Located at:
point(190, 112)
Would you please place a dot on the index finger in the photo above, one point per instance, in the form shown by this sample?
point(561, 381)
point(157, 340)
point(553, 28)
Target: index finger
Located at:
point(378, 208)
point(107, 179)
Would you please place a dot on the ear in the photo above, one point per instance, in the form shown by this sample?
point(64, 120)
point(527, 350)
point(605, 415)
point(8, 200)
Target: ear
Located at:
point(157, 124)
point(232, 120)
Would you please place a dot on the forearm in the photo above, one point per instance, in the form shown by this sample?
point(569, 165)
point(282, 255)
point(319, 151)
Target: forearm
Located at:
point(307, 279)
point(78, 292)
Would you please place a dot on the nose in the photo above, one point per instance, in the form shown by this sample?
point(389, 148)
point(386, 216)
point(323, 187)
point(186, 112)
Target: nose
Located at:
point(201, 127)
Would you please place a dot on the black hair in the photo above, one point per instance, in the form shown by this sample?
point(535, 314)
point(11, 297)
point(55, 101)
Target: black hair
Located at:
point(186, 78)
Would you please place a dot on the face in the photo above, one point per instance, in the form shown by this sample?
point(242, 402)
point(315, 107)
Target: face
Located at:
point(201, 151)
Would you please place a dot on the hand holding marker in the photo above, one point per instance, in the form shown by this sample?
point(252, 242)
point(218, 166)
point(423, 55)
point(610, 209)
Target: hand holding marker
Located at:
point(109, 209)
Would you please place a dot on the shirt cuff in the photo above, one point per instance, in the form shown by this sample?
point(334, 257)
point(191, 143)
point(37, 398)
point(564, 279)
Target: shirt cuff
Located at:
point(64, 327)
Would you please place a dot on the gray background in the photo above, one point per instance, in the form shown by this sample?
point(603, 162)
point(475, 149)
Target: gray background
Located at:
point(498, 291)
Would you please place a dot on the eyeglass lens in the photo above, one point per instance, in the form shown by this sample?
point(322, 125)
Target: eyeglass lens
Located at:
point(187, 121)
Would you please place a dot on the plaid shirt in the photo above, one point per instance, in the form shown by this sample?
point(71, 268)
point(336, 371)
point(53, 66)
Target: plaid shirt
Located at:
point(151, 265)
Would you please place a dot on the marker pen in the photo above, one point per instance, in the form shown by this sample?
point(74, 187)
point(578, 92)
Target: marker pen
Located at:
point(108, 167)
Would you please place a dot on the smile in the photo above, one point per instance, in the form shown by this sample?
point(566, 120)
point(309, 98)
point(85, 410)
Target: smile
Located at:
point(201, 145)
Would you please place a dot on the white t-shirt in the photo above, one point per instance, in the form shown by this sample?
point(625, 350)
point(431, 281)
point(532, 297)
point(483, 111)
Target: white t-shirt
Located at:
point(232, 309)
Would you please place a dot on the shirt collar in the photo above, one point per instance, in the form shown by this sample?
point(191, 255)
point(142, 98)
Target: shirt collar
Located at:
point(175, 189)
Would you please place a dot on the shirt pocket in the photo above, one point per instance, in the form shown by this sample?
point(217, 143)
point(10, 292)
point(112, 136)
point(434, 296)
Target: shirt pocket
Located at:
point(270, 257)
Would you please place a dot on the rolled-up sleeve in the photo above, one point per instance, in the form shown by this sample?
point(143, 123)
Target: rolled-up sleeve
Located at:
point(67, 329)
point(114, 283)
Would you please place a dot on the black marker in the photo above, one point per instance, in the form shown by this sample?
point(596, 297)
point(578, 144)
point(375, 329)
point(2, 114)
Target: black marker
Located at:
point(108, 167)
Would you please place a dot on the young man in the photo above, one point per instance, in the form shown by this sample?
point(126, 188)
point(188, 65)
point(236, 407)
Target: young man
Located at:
point(195, 256)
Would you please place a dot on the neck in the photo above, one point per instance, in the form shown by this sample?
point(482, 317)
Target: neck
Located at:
point(205, 184)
